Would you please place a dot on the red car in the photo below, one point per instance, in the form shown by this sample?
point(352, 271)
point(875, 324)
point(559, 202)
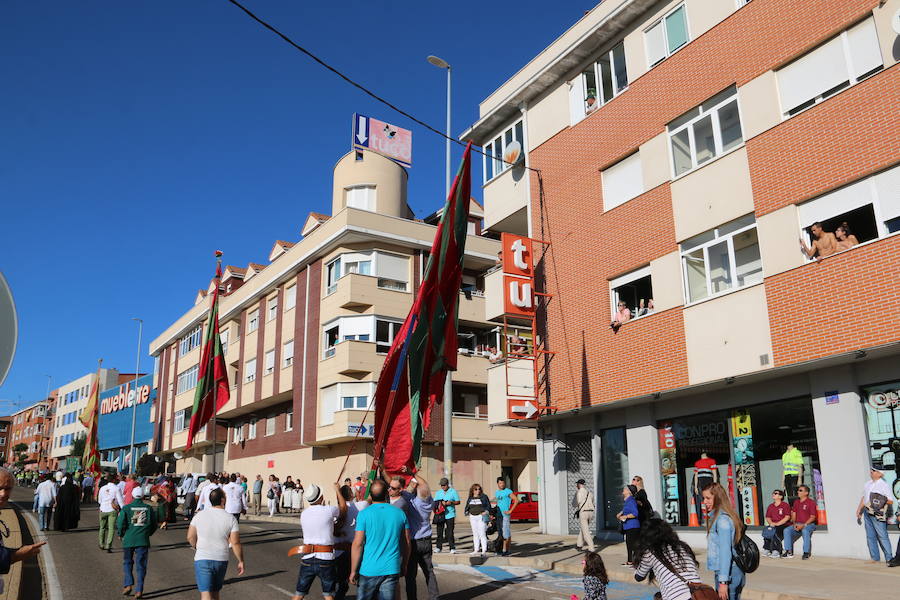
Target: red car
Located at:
point(527, 509)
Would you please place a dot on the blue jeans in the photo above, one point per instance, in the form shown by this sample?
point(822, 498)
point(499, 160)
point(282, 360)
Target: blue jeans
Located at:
point(504, 526)
point(737, 583)
point(310, 568)
point(380, 587)
point(34, 505)
point(210, 574)
point(876, 535)
point(791, 534)
point(131, 556)
point(44, 517)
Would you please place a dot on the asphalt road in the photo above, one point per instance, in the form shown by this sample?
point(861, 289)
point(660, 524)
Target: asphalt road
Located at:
point(72, 567)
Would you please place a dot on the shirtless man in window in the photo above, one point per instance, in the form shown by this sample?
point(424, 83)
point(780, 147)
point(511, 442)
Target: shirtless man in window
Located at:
point(824, 244)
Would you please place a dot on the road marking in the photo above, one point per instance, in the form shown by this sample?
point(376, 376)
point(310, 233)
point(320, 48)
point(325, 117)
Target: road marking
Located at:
point(46, 556)
point(282, 590)
point(256, 527)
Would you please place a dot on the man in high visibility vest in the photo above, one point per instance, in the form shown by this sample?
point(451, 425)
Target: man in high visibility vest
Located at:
point(792, 463)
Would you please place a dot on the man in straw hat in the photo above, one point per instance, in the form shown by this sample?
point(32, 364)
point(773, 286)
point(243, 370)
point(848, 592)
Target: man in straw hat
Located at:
point(318, 524)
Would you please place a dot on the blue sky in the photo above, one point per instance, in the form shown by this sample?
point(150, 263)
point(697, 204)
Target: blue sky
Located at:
point(138, 137)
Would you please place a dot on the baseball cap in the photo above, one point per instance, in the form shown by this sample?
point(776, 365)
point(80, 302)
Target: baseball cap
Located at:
point(581, 481)
point(445, 481)
point(137, 493)
point(874, 468)
point(313, 493)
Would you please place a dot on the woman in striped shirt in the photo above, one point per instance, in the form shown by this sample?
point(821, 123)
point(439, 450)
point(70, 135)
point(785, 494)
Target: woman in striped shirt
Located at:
point(667, 560)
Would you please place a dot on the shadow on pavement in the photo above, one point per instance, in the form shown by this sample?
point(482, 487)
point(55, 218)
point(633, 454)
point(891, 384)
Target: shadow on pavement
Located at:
point(32, 583)
point(249, 577)
point(485, 588)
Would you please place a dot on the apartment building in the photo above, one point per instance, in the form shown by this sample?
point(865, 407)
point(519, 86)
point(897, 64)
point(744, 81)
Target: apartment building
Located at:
point(31, 427)
point(73, 397)
point(685, 149)
point(305, 335)
point(5, 439)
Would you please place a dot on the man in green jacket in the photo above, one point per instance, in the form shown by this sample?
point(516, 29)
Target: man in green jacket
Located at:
point(135, 524)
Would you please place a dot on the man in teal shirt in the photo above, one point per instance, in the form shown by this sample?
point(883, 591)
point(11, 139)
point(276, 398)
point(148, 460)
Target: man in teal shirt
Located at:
point(381, 547)
point(506, 502)
point(448, 498)
point(135, 524)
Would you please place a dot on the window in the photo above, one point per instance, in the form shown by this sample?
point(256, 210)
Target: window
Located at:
point(603, 80)
point(384, 334)
point(349, 402)
point(187, 380)
point(290, 297)
point(495, 150)
point(288, 353)
point(869, 208)
point(635, 289)
point(333, 273)
point(722, 259)
point(269, 363)
point(253, 320)
point(622, 181)
point(185, 345)
point(361, 196)
point(289, 420)
point(705, 132)
point(666, 36)
point(392, 271)
point(251, 430)
point(331, 340)
point(223, 338)
point(182, 420)
point(844, 60)
point(344, 396)
point(358, 262)
point(741, 3)
point(272, 308)
point(237, 434)
point(250, 370)
point(270, 425)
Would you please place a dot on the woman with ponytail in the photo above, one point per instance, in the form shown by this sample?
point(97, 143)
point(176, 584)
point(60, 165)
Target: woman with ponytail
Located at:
point(724, 528)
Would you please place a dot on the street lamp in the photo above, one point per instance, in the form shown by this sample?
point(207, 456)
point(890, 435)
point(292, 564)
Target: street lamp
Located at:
point(137, 370)
point(448, 381)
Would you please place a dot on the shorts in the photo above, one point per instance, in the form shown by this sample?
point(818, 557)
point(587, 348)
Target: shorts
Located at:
point(505, 528)
point(210, 574)
point(310, 568)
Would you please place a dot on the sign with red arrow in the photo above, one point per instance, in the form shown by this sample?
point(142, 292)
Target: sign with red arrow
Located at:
point(522, 409)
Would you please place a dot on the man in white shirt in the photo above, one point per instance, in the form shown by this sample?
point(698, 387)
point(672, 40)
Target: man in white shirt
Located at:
point(874, 507)
point(210, 533)
point(111, 501)
point(212, 483)
point(235, 503)
point(46, 497)
point(317, 523)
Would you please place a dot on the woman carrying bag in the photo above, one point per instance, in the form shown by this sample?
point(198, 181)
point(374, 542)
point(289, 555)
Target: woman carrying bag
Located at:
point(724, 529)
point(670, 563)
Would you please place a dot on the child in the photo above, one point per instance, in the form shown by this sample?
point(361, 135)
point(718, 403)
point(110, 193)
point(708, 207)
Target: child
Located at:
point(595, 579)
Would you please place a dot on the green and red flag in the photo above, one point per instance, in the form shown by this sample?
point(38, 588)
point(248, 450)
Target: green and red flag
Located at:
point(425, 348)
point(90, 418)
point(211, 393)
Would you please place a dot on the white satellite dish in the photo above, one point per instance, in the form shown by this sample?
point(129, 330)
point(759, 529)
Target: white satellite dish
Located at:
point(9, 328)
point(178, 455)
point(513, 153)
point(895, 22)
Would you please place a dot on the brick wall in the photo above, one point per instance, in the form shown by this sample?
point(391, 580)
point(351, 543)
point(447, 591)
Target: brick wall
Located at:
point(841, 304)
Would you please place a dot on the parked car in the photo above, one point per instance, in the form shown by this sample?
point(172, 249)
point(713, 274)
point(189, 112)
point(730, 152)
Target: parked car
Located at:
point(527, 508)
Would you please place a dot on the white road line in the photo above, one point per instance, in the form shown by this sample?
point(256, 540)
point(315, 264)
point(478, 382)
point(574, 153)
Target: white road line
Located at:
point(282, 590)
point(45, 556)
point(257, 527)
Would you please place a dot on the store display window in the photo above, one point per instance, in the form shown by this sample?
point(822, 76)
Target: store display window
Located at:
point(750, 451)
point(882, 406)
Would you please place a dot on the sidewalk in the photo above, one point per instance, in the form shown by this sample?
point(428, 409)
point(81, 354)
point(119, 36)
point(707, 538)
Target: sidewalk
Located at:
point(820, 578)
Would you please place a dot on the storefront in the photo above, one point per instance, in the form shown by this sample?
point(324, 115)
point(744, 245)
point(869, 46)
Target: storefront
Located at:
point(882, 407)
point(118, 406)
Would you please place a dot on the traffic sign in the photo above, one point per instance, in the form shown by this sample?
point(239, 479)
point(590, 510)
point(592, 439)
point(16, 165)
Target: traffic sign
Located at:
point(364, 431)
point(522, 409)
point(382, 137)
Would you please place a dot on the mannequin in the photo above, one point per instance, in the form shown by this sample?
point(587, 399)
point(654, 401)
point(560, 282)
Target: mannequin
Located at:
point(706, 472)
point(792, 471)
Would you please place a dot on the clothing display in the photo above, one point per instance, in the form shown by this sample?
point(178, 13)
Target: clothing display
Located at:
point(792, 465)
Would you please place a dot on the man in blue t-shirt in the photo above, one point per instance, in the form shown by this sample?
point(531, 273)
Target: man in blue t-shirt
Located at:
point(506, 502)
point(448, 498)
point(381, 547)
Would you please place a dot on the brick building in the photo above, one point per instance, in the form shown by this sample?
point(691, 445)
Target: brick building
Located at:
point(305, 335)
point(683, 148)
point(32, 426)
point(5, 438)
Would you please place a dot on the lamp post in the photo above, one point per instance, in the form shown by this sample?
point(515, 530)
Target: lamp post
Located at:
point(448, 381)
point(137, 370)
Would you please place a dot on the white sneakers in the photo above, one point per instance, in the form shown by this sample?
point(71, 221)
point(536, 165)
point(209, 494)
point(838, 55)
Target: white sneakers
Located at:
point(453, 551)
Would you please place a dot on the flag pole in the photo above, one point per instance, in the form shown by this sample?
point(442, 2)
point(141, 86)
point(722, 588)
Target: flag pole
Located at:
point(211, 324)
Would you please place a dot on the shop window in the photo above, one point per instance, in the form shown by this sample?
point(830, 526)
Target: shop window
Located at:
point(706, 131)
point(721, 260)
point(613, 473)
point(882, 406)
point(749, 451)
point(635, 289)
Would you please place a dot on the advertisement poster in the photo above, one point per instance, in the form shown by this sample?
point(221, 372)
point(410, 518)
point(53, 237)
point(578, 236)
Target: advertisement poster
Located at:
point(745, 480)
point(882, 406)
point(669, 472)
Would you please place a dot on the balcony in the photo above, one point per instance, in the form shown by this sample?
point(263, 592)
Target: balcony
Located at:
point(358, 293)
point(471, 307)
point(521, 383)
point(343, 429)
point(351, 358)
point(493, 295)
point(471, 368)
point(506, 202)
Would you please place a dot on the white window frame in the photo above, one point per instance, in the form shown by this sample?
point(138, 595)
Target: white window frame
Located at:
point(618, 282)
point(367, 191)
point(328, 351)
point(497, 165)
point(732, 263)
point(611, 201)
point(187, 343)
point(272, 308)
point(250, 370)
point(742, 3)
point(287, 354)
point(223, 339)
point(713, 113)
point(397, 324)
point(251, 429)
point(270, 425)
point(269, 365)
point(661, 22)
point(332, 267)
point(289, 420)
point(290, 297)
point(187, 379)
point(237, 433)
point(252, 320)
point(598, 79)
point(182, 420)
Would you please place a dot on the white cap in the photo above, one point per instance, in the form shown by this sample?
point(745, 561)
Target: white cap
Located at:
point(137, 493)
point(312, 493)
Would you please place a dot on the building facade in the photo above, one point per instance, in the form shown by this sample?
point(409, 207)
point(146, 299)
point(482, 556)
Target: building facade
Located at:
point(31, 427)
point(5, 439)
point(683, 148)
point(73, 397)
point(122, 411)
point(305, 336)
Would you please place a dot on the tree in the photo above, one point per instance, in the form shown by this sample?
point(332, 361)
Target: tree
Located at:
point(20, 448)
point(78, 445)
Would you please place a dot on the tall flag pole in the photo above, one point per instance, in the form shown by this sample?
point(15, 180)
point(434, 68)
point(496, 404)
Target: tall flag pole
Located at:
point(425, 348)
point(211, 393)
point(90, 418)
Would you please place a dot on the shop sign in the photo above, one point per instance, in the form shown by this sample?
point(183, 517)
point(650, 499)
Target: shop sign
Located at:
point(832, 397)
point(386, 139)
point(518, 275)
point(745, 468)
point(123, 399)
point(669, 473)
point(884, 400)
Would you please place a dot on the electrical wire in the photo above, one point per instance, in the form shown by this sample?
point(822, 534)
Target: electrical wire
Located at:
point(366, 90)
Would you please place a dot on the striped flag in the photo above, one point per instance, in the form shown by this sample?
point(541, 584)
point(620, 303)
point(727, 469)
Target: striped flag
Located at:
point(211, 393)
point(90, 418)
point(425, 348)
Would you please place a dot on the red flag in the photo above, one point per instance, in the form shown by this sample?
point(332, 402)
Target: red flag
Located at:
point(90, 419)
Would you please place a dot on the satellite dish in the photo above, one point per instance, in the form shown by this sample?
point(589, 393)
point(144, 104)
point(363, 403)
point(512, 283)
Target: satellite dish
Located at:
point(895, 22)
point(9, 328)
point(178, 455)
point(513, 153)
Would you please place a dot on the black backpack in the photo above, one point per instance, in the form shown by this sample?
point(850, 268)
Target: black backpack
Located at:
point(746, 553)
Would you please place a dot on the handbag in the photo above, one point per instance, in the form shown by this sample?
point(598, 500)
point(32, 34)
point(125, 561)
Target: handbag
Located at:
point(699, 591)
point(768, 532)
point(440, 513)
point(270, 494)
